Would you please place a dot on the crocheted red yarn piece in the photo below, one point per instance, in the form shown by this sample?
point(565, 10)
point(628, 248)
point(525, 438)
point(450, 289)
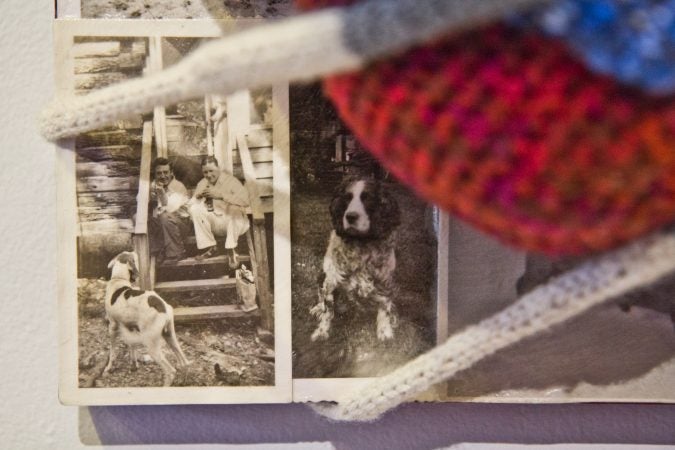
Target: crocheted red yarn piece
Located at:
point(508, 131)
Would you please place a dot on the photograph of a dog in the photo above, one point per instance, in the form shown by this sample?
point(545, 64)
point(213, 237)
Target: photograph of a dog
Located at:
point(175, 231)
point(363, 253)
point(139, 318)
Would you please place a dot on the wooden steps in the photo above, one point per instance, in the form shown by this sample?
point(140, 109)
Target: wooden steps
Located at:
point(192, 262)
point(195, 285)
point(211, 312)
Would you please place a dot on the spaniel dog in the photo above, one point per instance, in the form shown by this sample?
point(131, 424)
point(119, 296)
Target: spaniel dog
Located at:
point(360, 258)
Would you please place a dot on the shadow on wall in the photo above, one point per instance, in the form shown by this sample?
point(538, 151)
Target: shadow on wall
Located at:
point(602, 348)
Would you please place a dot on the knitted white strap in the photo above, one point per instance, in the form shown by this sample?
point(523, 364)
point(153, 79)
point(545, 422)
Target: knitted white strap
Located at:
point(296, 49)
point(594, 282)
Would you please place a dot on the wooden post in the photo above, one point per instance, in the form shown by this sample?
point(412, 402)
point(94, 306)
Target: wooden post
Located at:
point(155, 64)
point(208, 125)
point(238, 122)
point(259, 243)
point(142, 248)
point(266, 302)
point(141, 242)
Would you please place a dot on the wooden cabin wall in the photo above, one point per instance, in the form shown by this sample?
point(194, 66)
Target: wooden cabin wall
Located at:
point(108, 160)
point(260, 146)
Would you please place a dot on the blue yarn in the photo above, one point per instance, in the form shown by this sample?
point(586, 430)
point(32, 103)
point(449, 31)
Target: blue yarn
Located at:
point(631, 40)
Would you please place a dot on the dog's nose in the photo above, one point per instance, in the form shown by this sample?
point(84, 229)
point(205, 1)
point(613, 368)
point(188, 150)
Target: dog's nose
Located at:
point(351, 217)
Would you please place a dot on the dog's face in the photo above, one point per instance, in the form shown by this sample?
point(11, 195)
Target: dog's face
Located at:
point(362, 209)
point(128, 259)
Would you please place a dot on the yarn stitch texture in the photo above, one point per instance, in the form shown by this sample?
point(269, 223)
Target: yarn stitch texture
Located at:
point(631, 40)
point(506, 129)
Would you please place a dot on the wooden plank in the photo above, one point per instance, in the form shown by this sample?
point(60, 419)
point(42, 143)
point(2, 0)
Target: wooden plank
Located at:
point(132, 122)
point(123, 61)
point(106, 169)
point(104, 184)
point(267, 204)
point(106, 206)
point(159, 123)
point(207, 124)
point(108, 153)
point(155, 64)
point(139, 48)
point(210, 313)
point(263, 154)
point(107, 137)
point(192, 262)
point(263, 279)
point(195, 285)
point(222, 148)
point(265, 187)
point(107, 226)
point(257, 138)
point(249, 176)
point(174, 131)
point(88, 81)
point(95, 245)
point(89, 49)
point(94, 213)
point(262, 170)
point(238, 122)
point(153, 271)
point(254, 261)
point(102, 200)
point(142, 248)
point(143, 197)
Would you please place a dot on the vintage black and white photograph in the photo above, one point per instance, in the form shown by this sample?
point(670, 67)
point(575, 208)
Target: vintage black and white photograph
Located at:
point(184, 9)
point(175, 221)
point(364, 255)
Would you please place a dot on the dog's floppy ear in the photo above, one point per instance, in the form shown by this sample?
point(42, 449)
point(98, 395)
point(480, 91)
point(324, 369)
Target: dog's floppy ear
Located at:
point(130, 259)
point(388, 214)
point(132, 262)
point(338, 205)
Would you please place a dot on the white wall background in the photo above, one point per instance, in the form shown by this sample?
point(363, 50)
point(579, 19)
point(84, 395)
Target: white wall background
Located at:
point(30, 415)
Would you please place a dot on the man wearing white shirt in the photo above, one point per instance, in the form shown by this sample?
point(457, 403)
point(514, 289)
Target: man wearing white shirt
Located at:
point(218, 208)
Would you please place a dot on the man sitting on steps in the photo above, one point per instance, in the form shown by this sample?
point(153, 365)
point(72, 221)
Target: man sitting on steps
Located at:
point(218, 208)
point(170, 219)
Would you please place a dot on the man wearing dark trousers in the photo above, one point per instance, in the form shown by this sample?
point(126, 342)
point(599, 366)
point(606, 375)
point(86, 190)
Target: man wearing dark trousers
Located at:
point(170, 220)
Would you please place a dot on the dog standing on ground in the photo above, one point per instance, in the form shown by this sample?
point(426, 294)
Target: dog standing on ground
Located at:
point(360, 258)
point(139, 318)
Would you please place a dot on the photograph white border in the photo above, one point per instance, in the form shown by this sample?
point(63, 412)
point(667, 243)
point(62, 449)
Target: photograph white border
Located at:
point(331, 389)
point(69, 391)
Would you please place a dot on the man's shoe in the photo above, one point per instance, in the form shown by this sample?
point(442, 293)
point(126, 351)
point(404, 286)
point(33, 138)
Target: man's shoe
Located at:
point(248, 308)
point(209, 253)
point(172, 260)
point(233, 259)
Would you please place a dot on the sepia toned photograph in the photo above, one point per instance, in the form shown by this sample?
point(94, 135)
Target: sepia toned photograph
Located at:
point(364, 254)
point(184, 9)
point(175, 223)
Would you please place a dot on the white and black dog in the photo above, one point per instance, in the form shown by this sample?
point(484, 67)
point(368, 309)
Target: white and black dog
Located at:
point(360, 258)
point(139, 318)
